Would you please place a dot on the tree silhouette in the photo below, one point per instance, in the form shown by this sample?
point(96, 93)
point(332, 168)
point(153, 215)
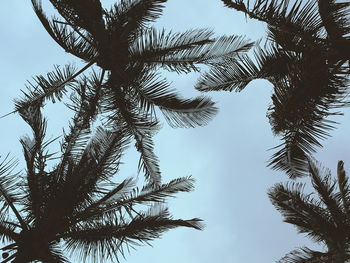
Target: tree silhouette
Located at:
point(129, 54)
point(306, 58)
point(324, 215)
point(75, 206)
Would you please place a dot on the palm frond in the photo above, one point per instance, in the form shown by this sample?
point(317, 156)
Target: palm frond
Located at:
point(85, 105)
point(305, 255)
point(86, 14)
point(230, 76)
point(169, 49)
point(214, 52)
point(9, 189)
point(148, 160)
point(116, 201)
point(303, 211)
point(326, 189)
point(75, 42)
point(178, 112)
point(234, 75)
point(295, 17)
point(133, 15)
point(344, 188)
point(107, 147)
point(115, 194)
point(78, 44)
point(53, 87)
point(7, 231)
point(110, 236)
point(33, 149)
point(334, 17)
point(138, 126)
point(292, 156)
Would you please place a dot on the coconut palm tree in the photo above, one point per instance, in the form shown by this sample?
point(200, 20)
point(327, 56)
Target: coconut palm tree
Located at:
point(76, 206)
point(129, 54)
point(306, 59)
point(324, 216)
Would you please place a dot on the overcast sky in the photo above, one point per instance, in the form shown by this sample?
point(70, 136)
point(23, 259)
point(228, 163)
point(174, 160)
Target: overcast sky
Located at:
point(227, 157)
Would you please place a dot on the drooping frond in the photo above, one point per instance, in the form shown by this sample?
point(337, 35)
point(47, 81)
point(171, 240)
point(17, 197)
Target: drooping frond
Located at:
point(138, 126)
point(79, 43)
point(177, 111)
point(230, 76)
point(297, 144)
point(148, 160)
point(86, 14)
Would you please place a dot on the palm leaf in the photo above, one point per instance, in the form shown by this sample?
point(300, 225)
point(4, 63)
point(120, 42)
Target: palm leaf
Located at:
point(344, 188)
point(137, 125)
point(86, 14)
point(177, 111)
point(133, 15)
point(302, 211)
point(8, 189)
point(115, 200)
point(321, 181)
point(334, 18)
point(78, 44)
point(53, 87)
point(284, 15)
point(169, 50)
point(305, 255)
point(107, 147)
point(211, 53)
point(110, 236)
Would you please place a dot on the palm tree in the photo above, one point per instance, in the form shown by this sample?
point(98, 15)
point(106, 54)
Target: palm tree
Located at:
point(324, 215)
point(75, 206)
point(129, 54)
point(305, 58)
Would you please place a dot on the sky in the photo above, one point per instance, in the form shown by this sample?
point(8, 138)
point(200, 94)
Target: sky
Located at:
point(227, 157)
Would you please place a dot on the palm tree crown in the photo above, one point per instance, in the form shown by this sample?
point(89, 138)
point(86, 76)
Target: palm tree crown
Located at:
point(324, 216)
point(129, 54)
point(75, 206)
point(305, 59)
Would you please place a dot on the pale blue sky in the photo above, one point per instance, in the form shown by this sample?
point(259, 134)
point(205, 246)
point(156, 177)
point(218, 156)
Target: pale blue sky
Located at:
point(227, 157)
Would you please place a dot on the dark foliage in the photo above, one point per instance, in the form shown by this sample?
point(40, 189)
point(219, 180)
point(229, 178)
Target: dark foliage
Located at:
point(306, 58)
point(130, 53)
point(76, 207)
point(323, 216)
